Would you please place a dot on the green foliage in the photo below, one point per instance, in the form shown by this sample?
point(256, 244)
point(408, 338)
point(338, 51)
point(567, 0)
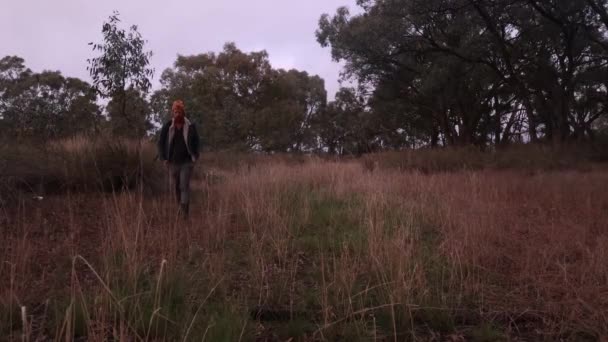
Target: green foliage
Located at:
point(153, 304)
point(43, 105)
point(122, 73)
point(241, 102)
point(429, 73)
point(138, 120)
point(291, 102)
point(462, 72)
point(346, 126)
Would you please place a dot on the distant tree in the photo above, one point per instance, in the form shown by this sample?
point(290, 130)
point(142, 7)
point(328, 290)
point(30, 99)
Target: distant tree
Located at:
point(12, 75)
point(288, 106)
point(139, 115)
point(600, 10)
point(477, 71)
point(122, 69)
point(346, 125)
point(221, 93)
point(44, 105)
point(241, 102)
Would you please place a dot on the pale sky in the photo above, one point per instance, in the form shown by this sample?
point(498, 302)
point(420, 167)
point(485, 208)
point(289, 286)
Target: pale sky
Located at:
point(53, 34)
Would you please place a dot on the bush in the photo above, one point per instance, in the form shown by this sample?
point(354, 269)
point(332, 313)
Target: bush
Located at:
point(522, 157)
point(235, 160)
point(79, 164)
point(428, 160)
point(108, 165)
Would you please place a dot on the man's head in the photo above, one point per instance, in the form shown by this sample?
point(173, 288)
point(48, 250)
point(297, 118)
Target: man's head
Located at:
point(179, 113)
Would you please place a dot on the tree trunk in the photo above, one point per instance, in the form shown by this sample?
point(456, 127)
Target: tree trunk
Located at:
point(532, 124)
point(434, 136)
point(498, 129)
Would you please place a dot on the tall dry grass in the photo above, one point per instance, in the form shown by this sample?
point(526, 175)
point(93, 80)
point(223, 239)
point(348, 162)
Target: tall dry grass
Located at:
point(315, 250)
point(529, 157)
point(77, 165)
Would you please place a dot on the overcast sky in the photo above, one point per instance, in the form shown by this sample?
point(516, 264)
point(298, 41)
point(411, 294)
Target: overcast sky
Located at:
point(53, 34)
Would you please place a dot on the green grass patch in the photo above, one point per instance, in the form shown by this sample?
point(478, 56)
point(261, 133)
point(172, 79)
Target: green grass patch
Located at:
point(10, 316)
point(334, 224)
point(487, 333)
point(223, 323)
point(298, 329)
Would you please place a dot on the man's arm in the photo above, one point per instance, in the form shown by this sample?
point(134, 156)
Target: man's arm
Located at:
point(195, 141)
point(161, 143)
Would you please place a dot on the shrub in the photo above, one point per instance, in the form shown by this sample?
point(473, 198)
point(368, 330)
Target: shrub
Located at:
point(523, 157)
point(108, 165)
point(235, 160)
point(78, 164)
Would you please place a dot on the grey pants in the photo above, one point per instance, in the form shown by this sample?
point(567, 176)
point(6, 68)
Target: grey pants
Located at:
point(180, 179)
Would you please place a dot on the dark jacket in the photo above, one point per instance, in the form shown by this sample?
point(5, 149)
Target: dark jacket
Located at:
point(166, 138)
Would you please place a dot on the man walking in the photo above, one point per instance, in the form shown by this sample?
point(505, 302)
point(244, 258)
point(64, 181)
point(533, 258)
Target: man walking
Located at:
point(178, 148)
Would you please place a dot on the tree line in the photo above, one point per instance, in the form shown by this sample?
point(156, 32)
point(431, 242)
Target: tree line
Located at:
point(428, 73)
point(460, 72)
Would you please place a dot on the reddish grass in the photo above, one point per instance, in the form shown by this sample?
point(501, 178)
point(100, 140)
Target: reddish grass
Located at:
point(347, 252)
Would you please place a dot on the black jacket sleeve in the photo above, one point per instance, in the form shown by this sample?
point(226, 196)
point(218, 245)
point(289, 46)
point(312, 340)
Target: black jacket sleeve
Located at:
point(162, 142)
point(195, 141)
